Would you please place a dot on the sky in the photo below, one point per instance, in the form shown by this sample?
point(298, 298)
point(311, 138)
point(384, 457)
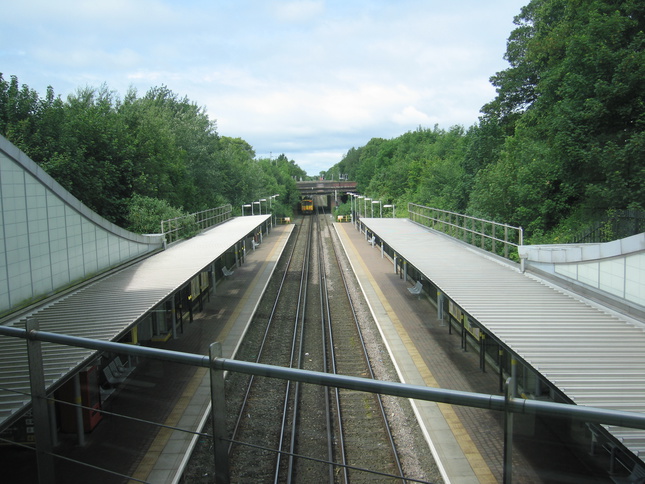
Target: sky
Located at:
point(309, 79)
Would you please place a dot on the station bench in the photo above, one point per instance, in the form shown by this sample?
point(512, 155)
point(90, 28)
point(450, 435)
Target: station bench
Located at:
point(417, 289)
point(115, 373)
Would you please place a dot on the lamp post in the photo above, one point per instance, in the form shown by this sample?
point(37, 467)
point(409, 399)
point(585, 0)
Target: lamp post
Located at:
point(358, 208)
point(247, 206)
point(380, 208)
point(265, 201)
point(271, 198)
point(367, 200)
point(260, 207)
point(392, 207)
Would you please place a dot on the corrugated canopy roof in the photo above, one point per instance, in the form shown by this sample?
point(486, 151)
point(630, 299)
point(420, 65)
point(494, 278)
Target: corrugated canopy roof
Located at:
point(108, 308)
point(593, 356)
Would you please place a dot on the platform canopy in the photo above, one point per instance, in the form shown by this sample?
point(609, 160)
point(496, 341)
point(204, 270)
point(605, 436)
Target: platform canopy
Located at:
point(108, 308)
point(594, 356)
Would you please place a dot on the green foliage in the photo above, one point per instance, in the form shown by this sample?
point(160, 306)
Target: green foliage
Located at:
point(147, 154)
point(146, 213)
point(422, 166)
point(562, 143)
point(581, 100)
point(280, 179)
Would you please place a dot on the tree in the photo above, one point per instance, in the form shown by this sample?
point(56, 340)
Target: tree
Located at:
point(146, 213)
point(573, 102)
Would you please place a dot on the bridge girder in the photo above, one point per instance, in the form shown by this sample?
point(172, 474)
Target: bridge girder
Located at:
point(325, 187)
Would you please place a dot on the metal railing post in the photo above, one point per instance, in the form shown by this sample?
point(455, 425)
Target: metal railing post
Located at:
point(483, 233)
point(472, 226)
point(78, 411)
point(508, 434)
point(39, 407)
point(218, 417)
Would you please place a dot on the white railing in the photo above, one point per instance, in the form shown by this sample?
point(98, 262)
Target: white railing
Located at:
point(189, 225)
point(495, 237)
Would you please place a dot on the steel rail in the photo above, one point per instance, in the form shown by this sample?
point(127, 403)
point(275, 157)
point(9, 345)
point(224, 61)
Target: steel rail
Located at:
point(327, 327)
point(328, 415)
point(297, 339)
point(386, 422)
point(336, 392)
point(263, 343)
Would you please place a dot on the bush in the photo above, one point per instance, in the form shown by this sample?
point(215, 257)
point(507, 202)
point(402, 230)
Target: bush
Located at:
point(146, 213)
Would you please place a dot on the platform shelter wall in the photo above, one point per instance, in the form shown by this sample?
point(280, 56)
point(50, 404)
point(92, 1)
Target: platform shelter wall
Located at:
point(616, 268)
point(48, 238)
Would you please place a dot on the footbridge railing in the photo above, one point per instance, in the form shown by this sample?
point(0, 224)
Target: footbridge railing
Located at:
point(495, 237)
point(507, 404)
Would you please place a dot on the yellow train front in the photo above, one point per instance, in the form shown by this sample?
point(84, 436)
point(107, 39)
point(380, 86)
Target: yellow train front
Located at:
point(306, 206)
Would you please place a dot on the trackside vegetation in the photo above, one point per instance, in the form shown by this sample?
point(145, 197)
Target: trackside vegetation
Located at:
point(140, 159)
point(560, 147)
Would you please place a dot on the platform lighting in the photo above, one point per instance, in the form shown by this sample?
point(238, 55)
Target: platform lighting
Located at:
point(247, 206)
point(353, 205)
point(390, 206)
point(260, 206)
point(265, 201)
point(366, 200)
point(380, 208)
point(274, 218)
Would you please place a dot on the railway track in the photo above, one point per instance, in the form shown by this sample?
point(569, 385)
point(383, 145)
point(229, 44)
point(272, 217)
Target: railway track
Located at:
point(361, 412)
point(288, 432)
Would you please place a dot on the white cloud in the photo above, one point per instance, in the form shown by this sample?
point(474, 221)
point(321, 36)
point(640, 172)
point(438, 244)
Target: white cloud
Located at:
point(308, 78)
point(297, 11)
point(410, 115)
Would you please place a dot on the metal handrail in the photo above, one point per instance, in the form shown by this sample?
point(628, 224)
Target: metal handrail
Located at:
point(455, 397)
point(186, 225)
point(217, 365)
point(443, 220)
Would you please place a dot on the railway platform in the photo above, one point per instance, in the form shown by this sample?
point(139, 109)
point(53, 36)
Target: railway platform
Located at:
point(171, 394)
point(405, 322)
point(468, 442)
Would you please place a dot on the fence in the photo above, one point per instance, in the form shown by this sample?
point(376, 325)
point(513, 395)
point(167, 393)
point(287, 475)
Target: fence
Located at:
point(217, 365)
point(616, 225)
point(189, 225)
point(500, 239)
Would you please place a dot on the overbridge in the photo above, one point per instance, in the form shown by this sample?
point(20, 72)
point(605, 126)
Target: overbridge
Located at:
point(325, 187)
point(326, 194)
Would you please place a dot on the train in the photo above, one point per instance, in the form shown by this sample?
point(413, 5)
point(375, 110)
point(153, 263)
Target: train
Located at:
point(306, 206)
